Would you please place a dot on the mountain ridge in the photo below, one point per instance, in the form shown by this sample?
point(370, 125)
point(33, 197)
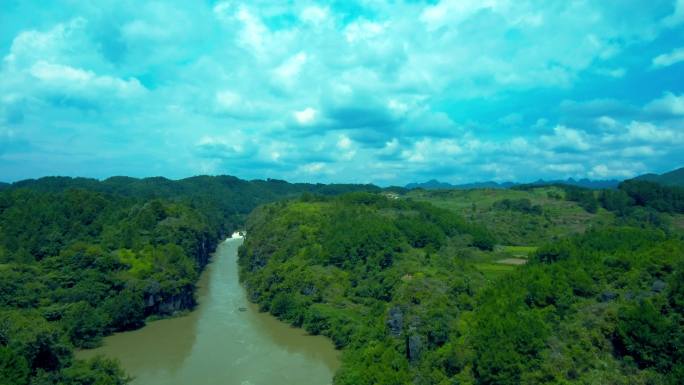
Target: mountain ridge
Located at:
point(434, 184)
point(671, 178)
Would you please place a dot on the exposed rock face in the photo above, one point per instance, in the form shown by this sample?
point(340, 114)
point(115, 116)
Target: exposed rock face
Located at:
point(177, 303)
point(658, 286)
point(607, 296)
point(308, 290)
point(414, 346)
point(163, 304)
point(395, 321)
point(203, 250)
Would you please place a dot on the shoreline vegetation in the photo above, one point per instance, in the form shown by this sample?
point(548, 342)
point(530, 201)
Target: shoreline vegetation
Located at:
point(218, 343)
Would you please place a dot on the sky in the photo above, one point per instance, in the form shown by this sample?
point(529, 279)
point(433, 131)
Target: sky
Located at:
point(382, 91)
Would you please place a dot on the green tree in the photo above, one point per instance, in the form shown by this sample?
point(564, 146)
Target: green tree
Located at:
point(84, 324)
point(14, 369)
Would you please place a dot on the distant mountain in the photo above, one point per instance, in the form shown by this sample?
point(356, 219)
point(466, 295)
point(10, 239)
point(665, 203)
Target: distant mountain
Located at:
point(489, 184)
point(672, 178)
point(586, 183)
point(432, 184)
point(4, 185)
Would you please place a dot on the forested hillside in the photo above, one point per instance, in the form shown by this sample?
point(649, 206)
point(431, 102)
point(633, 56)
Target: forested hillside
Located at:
point(80, 259)
point(671, 178)
point(398, 285)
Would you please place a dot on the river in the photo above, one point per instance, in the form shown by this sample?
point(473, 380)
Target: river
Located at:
point(218, 344)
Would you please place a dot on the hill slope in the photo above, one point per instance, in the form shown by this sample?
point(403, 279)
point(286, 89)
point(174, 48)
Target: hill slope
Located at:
point(392, 283)
point(586, 183)
point(672, 178)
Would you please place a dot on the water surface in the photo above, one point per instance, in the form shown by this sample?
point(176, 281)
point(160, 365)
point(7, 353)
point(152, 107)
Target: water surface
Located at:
point(217, 344)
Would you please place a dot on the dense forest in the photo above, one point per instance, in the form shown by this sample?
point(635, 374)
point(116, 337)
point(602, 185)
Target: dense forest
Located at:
point(399, 284)
point(537, 284)
point(81, 258)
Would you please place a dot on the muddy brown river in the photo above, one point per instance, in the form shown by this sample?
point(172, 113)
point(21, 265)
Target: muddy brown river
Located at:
point(217, 344)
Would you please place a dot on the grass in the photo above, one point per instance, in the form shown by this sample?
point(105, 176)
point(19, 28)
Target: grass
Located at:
point(493, 271)
point(559, 219)
point(513, 261)
point(519, 251)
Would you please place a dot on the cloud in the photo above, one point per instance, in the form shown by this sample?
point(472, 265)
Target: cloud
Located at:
point(568, 169)
point(254, 33)
point(668, 59)
point(615, 73)
point(597, 107)
point(314, 15)
point(346, 91)
point(363, 30)
point(614, 170)
point(677, 16)
point(305, 116)
point(454, 11)
point(225, 148)
point(230, 103)
point(313, 168)
point(650, 133)
point(566, 139)
point(70, 79)
point(669, 105)
point(287, 73)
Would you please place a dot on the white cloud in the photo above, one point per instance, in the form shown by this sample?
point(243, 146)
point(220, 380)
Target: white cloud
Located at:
point(314, 15)
point(76, 79)
point(32, 45)
point(230, 103)
point(600, 171)
point(221, 10)
point(344, 142)
point(253, 33)
point(228, 99)
point(305, 116)
point(220, 147)
point(614, 170)
point(638, 151)
point(142, 29)
point(677, 16)
point(668, 59)
point(429, 150)
point(363, 30)
point(401, 88)
point(566, 139)
point(606, 122)
point(55, 72)
point(669, 104)
point(287, 72)
point(565, 169)
point(616, 73)
point(454, 11)
point(313, 168)
point(649, 132)
point(347, 148)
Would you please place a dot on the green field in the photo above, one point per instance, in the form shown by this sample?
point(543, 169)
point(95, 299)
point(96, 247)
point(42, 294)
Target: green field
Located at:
point(519, 251)
point(494, 270)
point(558, 218)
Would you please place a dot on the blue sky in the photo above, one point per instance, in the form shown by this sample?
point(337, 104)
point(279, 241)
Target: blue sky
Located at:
point(387, 92)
